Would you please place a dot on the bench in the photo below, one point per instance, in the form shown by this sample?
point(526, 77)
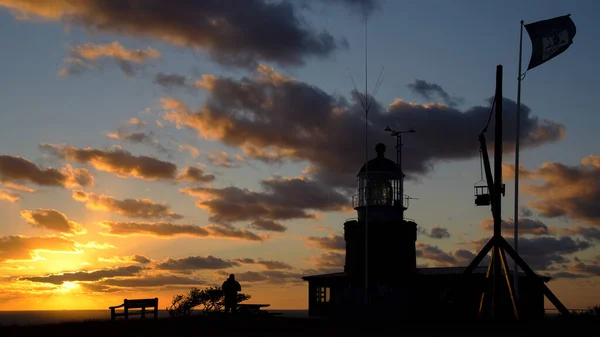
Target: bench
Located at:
point(135, 304)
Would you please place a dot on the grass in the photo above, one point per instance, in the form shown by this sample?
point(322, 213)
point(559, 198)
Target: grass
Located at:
point(284, 326)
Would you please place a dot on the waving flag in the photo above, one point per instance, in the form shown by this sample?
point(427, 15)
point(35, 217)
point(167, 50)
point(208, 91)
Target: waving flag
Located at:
point(549, 38)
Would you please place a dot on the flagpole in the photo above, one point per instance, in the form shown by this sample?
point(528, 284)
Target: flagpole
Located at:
point(516, 210)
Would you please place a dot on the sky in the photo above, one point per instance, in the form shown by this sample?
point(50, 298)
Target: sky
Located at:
point(149, 147)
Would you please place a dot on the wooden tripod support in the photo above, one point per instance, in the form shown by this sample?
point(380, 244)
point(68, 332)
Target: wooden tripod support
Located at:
point(498, 267)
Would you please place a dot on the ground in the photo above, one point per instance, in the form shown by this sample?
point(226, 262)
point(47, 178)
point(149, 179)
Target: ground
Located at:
point(281, 326)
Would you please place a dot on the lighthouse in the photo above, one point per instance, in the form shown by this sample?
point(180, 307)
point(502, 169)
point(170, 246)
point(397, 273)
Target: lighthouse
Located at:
point(389, 241)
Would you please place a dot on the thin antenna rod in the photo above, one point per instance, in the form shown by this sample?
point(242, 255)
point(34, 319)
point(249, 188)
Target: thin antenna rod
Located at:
point(366, 170)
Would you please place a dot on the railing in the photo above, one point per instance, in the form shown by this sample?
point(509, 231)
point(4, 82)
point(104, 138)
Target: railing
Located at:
point(359, 201)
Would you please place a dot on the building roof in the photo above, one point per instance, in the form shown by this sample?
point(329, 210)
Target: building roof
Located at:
point(423, 271)
point(325, 276)
point(381, 163)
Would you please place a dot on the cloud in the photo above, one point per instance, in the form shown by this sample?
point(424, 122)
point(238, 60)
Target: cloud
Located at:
point(196, 263)
point(527, 226)
point(566, 191)
point(460, 257)
point(364, 7)
point(222, 158)
point(267, 277)
point(121, 162)
point(131, 208)
point(331, 242)
point(138, 137)
point(125, 259)
point(195, 175)
point(90, 56)
point(28, 248)
point(435, 233)
point(428, 90)
point(267, 225)
point(274, 118)
point(17, 169)
point(190, 148)
point(94, 275)
point(9, 195)
point(151, 281)
point(52, 220)
point(282, 199)
point(274, 32)
point(588, 233)
point(329, 260)
point(267, 264)
point(541, 253)
point(168, 230)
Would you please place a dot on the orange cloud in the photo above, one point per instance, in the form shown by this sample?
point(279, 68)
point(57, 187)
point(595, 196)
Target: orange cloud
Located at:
point(91, 56)
point(168, 230)
point(52, 220)
point(16, 248)
point(571, 191)
point(132, 208)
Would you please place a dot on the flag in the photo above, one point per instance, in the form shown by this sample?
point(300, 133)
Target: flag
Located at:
point(550, 38)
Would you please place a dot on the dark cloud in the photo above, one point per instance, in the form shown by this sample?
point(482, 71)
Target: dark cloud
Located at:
point(170, 81)
point(460, 257)
point(131, 208)
point(588, 233)
point(91, 56)
point(151, 281)
point(27, 248)
point(542, 253)
point(292, 126)
point(94, 275)
point(196, 263)
point(282, 199)
point(267, 264)
point(52, 220)
point(267, 225)
point(195, 175)
point(430, 90)
point(168, 230)
point(125, 259)
point(18, 169)
point(330, 260)
point(138, 137)
point(435, 233)
point(525, 211)
point(331, 242)
point(239, 33)
point(268, 277)
point(566, 191)
point(526, 226)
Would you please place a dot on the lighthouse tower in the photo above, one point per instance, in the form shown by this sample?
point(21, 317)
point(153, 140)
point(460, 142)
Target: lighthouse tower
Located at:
point(380, 226)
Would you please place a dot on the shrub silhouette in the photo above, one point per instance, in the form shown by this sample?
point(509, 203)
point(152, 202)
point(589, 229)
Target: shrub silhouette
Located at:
point(211, 299)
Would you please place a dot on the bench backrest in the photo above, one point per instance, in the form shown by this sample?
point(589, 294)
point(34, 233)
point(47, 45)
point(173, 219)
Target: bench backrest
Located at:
point(141, 303)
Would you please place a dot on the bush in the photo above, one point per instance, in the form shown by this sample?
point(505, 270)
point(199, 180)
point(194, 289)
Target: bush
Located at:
point(211, 299)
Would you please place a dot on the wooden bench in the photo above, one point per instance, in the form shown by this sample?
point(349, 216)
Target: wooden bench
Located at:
point(135, 304)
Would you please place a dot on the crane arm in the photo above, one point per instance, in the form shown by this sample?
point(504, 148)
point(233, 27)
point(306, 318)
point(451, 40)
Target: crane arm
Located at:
point(488, 169)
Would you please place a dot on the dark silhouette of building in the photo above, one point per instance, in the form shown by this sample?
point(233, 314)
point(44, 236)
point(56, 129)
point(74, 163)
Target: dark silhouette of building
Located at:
point(396, 286)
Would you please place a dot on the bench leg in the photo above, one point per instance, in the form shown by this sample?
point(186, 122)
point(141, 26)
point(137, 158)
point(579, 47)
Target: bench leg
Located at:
point(126, 313)
point(143, 313)
point(155, 313)
point(112, 314)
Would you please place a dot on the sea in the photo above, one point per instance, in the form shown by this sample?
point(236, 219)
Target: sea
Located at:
point(33, 317)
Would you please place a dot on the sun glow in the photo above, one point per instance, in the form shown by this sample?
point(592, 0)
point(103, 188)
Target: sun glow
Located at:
point(68, 286)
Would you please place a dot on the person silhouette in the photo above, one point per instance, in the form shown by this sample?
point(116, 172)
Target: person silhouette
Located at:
point(230, 291)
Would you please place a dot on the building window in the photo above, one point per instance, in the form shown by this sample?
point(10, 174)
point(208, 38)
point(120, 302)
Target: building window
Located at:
point(323, 294)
